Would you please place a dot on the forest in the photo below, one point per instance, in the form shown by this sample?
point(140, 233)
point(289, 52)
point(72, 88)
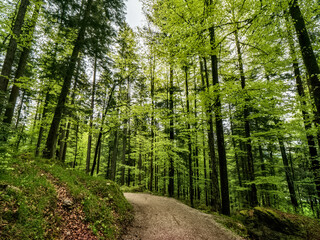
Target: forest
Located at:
point(213, 102)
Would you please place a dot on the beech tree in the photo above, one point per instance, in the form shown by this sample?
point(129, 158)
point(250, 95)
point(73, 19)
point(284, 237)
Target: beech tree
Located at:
point(215, 103)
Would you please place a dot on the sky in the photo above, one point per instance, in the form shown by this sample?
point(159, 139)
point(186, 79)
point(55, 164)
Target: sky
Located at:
point(134, 13)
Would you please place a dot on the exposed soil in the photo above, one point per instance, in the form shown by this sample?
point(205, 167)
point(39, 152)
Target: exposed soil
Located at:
point(72, 224)
point(162, 218)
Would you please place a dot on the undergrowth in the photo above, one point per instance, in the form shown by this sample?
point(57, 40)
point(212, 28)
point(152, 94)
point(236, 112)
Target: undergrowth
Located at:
point(28, 201)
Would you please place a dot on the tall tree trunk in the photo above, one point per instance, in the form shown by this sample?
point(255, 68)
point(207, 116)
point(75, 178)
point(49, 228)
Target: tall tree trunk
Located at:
point(225, 206)
point(124, 149)
point(191, 190)
point(171, 133)
point(11, 50)
point(203, 138)
point(129, 153)
point(289, 177)
point(43, 119)
point(20, 108)
point(215, 191)
point(91, 117)
point(235, 149)
point(113, 165)
point(253, 198)
point(65, 141)
point(152, 76)
point(21, 68)
point(306, 117)
point(101, 130)
point(140, 164)
point(196, 154)
point(125, 135)
point(76, 147)
point(99, 156)
point(52, 137)
point(309, 58)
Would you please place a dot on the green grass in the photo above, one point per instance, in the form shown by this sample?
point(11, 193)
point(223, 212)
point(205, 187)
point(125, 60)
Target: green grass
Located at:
point(103, 203)
point(28, 201)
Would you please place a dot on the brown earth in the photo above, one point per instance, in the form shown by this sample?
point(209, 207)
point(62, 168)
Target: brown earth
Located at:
point(71, 214)
point(162, 218)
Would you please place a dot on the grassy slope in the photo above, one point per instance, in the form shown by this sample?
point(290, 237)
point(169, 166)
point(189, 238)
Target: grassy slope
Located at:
point(28, 201)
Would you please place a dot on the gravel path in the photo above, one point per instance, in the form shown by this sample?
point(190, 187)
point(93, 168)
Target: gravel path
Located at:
point(162, 218)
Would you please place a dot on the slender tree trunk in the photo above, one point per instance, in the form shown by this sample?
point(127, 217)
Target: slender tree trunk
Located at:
point(99, 156)
point(62, 136)
point(52, 137)
point(129, 154)
point(306, 117)
point(196, 155)
point(215, 191)
point(289, 177)
point(125, 135)
point(124, 149)
point(21, 68)
point(235, 150)
point(191, 190)
point(152, 76)
point(65, 141)
point(140, 164)
point(20, 108)
point(11, 49)
point(253, 198)
point(203, 139)
point(43, 119)
point(91, 117)
point(219, 128)
point(76, 147)
point(113, 165)
point(171, 130)
point(101, 130)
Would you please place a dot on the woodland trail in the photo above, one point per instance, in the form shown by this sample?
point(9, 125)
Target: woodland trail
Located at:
point(71, 214)
point(162, 218)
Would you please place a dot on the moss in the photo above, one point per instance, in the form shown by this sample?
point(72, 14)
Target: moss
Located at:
point(104, 205)
point(232, 224)
point(25, 203)
point(28, 213)
point(266, 223)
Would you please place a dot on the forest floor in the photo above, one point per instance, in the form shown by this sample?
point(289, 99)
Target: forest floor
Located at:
point(41, 199)
point(162, 218)
point(72, 215)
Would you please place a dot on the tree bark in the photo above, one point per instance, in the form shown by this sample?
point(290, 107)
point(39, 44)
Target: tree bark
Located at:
point(21, 68)
point(253, 198)
point(124, 149)
point(191, 190)
point(289, 177)
point(52, 137)
point(215, 191)
point(113, 165)
point(171, 161)
point(225, 206)
point(100, 132)
point(20, 108)
point(91, 117)
point(306, 117)
point(11, 49)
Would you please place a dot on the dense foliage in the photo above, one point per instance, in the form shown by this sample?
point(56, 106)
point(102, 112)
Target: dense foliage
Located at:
point(213, 102)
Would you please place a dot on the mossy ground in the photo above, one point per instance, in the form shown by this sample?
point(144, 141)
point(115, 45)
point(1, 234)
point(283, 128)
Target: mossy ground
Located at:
point(28, 201)
point(269, 224)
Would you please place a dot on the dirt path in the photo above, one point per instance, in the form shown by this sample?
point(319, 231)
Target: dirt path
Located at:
point(161, 218)
point(71, 214)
